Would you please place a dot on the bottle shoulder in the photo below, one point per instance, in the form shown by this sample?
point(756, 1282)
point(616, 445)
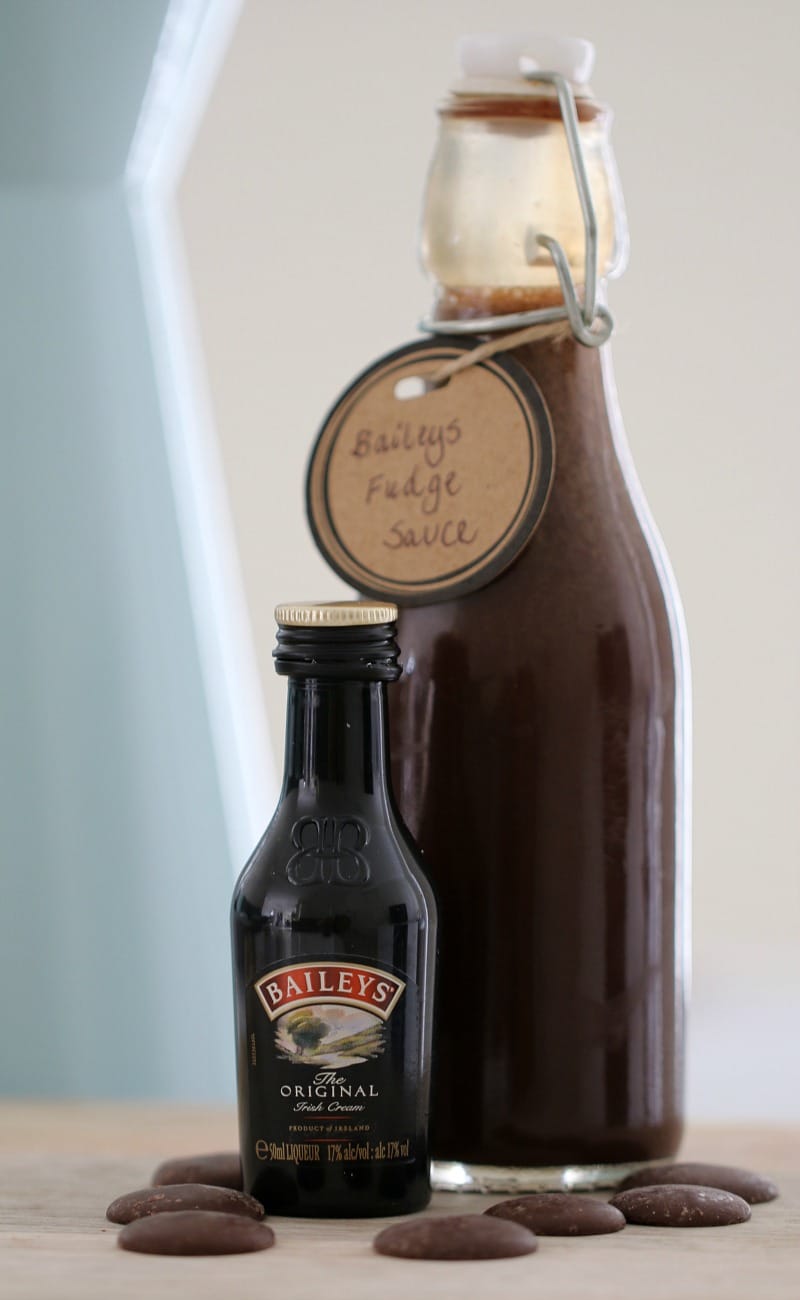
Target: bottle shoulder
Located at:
point(357, 859)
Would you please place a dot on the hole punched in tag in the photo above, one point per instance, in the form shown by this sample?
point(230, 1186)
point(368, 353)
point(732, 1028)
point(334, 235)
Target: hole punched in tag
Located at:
point(416, 386)
point(411, 386)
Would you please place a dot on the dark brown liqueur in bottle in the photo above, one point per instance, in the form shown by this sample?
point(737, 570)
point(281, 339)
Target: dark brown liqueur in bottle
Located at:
point(333, 926)
point(537, 733)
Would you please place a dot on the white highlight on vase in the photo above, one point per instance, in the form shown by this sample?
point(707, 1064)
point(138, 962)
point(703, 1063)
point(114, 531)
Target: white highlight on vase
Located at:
point(193, 43)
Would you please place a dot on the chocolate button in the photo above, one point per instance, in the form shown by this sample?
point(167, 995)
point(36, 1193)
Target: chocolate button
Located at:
point(182, 1196)
point(742, 1182)
point(559, 1214)
point(455, 1236)
point(195, 1232)
point(223, 1169)
point(681, 1205)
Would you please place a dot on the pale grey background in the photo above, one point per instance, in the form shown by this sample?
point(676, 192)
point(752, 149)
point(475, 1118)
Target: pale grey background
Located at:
point(298, 208)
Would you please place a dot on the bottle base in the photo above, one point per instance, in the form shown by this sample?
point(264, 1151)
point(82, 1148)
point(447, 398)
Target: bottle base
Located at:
point(453, 1176)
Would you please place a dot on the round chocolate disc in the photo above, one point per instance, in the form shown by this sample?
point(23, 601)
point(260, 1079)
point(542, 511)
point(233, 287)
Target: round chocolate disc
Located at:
point(221, 1169)
point(182, 1196)
point(560, 1214)
point(681, 1205)
point(195, 1232)
point(742, 1182)
point(455, 1236)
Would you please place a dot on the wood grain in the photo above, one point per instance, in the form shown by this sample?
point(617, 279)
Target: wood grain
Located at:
point(62, 1164)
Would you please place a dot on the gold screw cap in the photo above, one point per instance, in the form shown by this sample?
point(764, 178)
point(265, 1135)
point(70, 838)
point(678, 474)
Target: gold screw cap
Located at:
point(337, 613)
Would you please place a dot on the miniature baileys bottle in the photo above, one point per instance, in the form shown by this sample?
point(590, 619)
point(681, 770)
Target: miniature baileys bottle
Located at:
point(333, 927)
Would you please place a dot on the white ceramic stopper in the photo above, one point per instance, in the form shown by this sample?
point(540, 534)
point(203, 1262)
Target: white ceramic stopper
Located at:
point(496, 55)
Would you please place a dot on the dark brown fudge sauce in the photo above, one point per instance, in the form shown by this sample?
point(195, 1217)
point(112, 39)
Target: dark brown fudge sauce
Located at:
point(534, 752)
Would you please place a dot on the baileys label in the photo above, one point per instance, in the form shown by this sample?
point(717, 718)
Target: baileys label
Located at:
point(328, 1046)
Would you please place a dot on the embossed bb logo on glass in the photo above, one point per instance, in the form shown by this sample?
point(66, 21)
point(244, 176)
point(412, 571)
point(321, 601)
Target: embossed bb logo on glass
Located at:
point(328, 852)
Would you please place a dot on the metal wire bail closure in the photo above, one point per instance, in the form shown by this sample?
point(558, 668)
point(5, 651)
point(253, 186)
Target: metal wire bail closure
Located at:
point(590, 322)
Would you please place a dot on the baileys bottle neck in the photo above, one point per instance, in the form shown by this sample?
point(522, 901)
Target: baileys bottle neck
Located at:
point(336, 738)
point(336, 734)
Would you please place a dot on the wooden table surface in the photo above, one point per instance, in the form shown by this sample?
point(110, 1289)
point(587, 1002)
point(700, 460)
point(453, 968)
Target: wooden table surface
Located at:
point(61, 1164)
